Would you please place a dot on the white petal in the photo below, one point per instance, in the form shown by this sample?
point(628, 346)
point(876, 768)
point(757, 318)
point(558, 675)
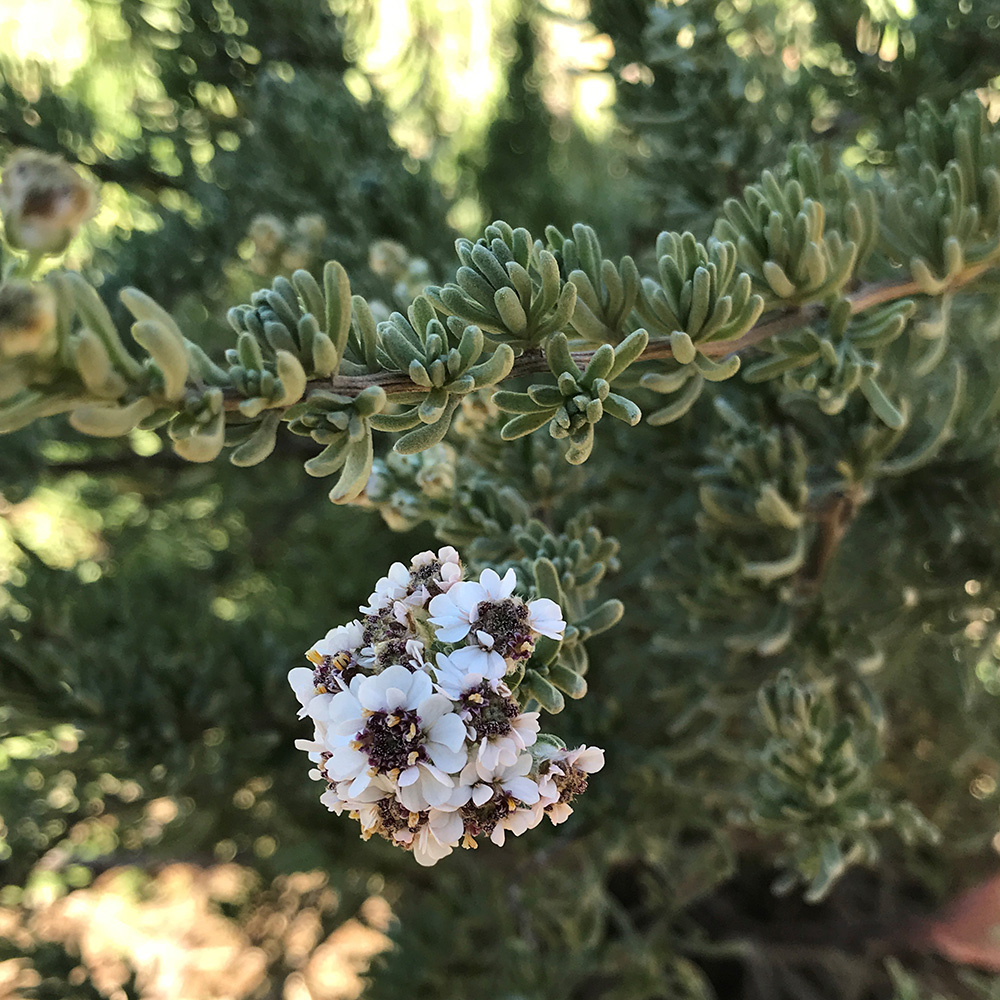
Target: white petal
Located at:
point(451, 633)
point(411, 797)
point(523, 819)
point(433, 708)
point(559, 813)
point(435, 793)
point(489, 755)
point(332, 802)
point(346, 763)
point(395, 698)
point(498, 836)
point(301, 680)
point(345, 710)
point(359, 785)
point(590, 760)
point(497, 589)
point(496, 666)
point(449, 729)
point(447, 827)
point(481, 794)
point(523, 789)
point(545, 617)
point(408, 777)
point(450, 761)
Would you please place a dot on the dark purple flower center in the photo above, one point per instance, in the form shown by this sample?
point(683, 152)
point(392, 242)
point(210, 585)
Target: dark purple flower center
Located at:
point(429, 576)
point(382, 626)
point(507, 622)
point(488, 711)
point(394, 817)
point(391, 653)
point(392, 740)
point(484, 818)
point(332, 670)
point(572, 783)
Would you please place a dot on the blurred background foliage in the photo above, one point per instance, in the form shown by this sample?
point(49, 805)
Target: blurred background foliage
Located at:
point(150, 609)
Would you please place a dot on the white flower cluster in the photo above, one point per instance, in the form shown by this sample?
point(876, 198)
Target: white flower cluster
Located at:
point(416, 734)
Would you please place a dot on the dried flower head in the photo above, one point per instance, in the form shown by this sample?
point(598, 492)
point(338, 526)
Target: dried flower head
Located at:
point(27, 319)
point(44, 202)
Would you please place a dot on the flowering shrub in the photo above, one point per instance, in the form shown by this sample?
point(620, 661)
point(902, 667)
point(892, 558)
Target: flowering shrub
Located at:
point(419, 733)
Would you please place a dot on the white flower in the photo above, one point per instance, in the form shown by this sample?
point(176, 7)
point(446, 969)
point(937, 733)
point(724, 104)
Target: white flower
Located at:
point(500, 748)
point(452, 612)
point(565, 777)
point(492, 716)
point(452, 680)
point(498, 627)
point(304, 685)
point(481, 657)
point(394, 725)
point(426, 748)
point(340, 639)
point(545, 618)
point(336, 657)
point(493, 801)
point(390, 588)
point(438, 837)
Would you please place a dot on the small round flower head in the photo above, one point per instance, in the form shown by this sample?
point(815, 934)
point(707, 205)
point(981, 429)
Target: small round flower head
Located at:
point(389, 589)
point(44, 202)
point(337, 658)
point(489, 804)
point(563, 775)
point(499, 627)
point(416, 736)
point(433, 574)
point(394, 726)
point(436, 477)
point(495, 724)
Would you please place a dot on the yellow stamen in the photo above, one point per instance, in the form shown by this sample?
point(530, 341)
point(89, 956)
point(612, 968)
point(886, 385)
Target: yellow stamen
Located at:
point(412, 732)
point(412, 757)
point(320, 689)
point(469, 841)
point(413, 820)
point(313, 657)
point(511, 803)
point(355, 744)
point(477, 698)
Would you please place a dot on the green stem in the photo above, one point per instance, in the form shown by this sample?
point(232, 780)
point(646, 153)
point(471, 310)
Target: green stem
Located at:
point(533, 360)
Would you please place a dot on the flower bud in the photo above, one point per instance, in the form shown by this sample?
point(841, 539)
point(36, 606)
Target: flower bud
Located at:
point(311, 228)
point(27, 319)
point(388, 259)
point(44, 202)
point(268, 233)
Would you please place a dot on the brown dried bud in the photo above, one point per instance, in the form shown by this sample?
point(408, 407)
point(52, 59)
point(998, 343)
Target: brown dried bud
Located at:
point(44, 201)
point(27, 319)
